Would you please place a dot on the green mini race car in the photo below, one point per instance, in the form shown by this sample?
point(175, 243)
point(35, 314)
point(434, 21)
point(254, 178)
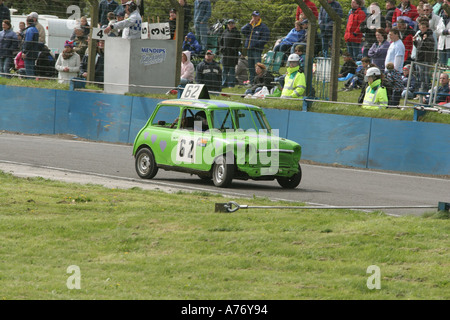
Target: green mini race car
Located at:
point(216, 140)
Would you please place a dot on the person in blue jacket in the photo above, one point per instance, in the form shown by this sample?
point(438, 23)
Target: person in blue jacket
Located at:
point(296, 35)
point(31, 47)
point(191, 44)
point(256, 35)
point(8, 44)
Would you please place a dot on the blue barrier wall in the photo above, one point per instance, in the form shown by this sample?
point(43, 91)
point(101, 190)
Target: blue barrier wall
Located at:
point(354, 141)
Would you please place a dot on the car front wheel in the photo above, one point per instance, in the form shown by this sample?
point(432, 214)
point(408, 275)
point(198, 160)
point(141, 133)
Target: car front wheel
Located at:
point(292, 182)
point(145, 164)
point(222, 172)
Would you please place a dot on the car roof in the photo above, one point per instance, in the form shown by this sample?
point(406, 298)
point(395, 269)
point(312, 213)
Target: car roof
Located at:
point(209, 104)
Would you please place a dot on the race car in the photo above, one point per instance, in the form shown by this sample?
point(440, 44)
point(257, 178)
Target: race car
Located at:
point(218, 140)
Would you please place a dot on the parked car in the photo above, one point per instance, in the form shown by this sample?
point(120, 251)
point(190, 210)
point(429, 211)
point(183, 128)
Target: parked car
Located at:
point(218, 140)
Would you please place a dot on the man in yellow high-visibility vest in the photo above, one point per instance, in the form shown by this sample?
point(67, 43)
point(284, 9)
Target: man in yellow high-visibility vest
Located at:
point(376, 95)
point(294, 82)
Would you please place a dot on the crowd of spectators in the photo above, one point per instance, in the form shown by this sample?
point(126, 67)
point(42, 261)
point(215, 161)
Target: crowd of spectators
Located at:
point(389, 38)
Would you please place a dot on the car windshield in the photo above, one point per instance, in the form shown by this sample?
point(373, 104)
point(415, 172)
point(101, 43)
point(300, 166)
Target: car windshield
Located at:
point(244, 119)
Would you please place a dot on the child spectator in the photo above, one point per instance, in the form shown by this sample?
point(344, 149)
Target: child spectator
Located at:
point(349, 66)
point(190, 43)
point(68, 63)
point(408, 90)
point(358, 79)
point(187, 68)
point(394, 84)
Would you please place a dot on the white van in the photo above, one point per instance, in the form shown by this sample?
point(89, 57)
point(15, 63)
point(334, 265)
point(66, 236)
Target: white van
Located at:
point(57, 31)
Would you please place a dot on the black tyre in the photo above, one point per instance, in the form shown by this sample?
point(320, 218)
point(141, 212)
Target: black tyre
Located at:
point(223, 172)
point(292, 182)
point(145, 164)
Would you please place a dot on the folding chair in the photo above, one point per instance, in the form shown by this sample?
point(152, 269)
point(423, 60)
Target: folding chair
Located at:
point(277, 62)
point(269, 59)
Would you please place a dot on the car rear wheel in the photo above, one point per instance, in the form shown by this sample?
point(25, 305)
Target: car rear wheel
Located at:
point(145, 164)
point(222, 172)
point(292, 182)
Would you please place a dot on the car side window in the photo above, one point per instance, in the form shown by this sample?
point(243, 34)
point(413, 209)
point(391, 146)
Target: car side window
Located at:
point(167, 116)
point(222, 119)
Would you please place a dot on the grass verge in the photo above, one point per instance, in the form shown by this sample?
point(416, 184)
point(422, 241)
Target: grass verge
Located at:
point(136, 244)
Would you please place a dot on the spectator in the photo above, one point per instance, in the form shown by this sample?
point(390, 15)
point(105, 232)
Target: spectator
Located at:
point(303, 37)
point(424, 42)
point(45, 63)
point(406, 34)
point(408, 76)
point(39, 27)
point(379, 50)
point(433, 19)
point(120, 10)
point(301, 50)
point(187, 68)
point(111, 20)
point(353, 35)
point(242, 69)
point(256, 35)
point(396, 51)
point(19, 63)
point(187, 15)
point(84, 24)
point(230, 44)
point(191, 44)
point(31, 47)
point(131, 27)
point(68, 63)
point(209, 73)
point(263, 78)
point(8, 45)
point(202, 13)
point(294, 81)
point(394, 84)
point(373, 22)
point(376, 95)
point(443, 32)
point(349, 66)
point(442, 90)
point(104, 7)
point(4, 14)
point(81, 42)
point(390, 8)
point(296, 35)
point(311, 6)
point(357, 80)
point(173, 23)
point(405, 9)
point(99, 63)
point(326, 25)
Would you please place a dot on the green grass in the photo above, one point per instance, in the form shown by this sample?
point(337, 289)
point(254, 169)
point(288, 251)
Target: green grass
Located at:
point(136, 244)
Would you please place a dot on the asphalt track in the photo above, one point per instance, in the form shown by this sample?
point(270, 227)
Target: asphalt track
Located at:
point(72, 160)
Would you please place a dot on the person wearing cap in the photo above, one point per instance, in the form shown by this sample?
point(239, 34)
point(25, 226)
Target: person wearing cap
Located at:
point(202, 13)
point(294, 81)
point(4, 13)
point(31, 47)
point(38, 26)
point(326, 25)
point(104, 7)
point(230, 44)
point(209, 73)
point(376, 95)
point(256, 35)
point(408, 76)
point(68, 63)
point(131, 27)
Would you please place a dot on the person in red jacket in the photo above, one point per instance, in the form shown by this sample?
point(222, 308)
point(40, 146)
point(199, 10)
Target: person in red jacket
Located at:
point(311, 6)
point(353, 35)
point(405, 9)
point(406, 35)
